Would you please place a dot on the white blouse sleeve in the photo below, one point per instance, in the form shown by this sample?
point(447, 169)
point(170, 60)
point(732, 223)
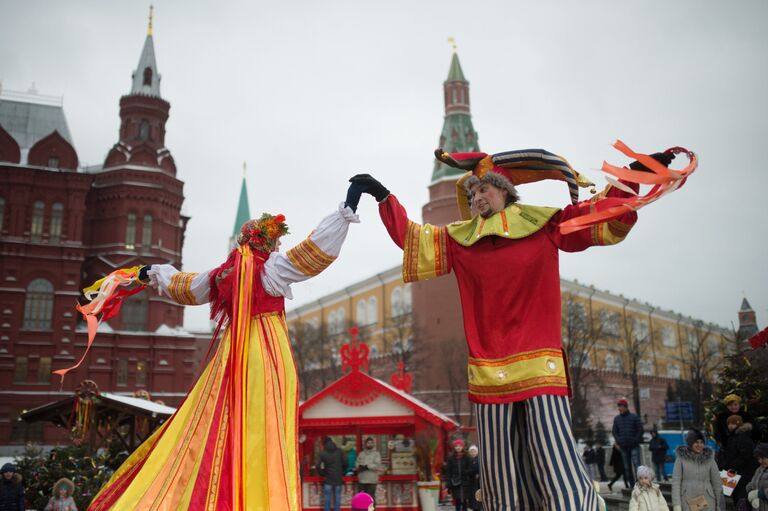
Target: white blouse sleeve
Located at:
point(183, 288)
point(311, 256)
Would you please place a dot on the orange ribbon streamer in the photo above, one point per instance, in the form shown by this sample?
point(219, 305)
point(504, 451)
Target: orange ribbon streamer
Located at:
point(106, 300)
point(663, 179)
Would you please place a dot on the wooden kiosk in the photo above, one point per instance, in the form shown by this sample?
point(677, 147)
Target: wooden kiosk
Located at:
point(358, 406)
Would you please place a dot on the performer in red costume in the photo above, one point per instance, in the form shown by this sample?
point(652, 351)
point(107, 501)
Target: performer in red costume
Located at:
point(505, 259)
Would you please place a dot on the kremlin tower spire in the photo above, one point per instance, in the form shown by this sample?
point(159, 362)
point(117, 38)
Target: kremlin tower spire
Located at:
point(243, 213)
point(458, 135)
point(146, 79)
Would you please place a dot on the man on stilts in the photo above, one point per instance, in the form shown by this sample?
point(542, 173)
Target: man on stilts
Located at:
point(505, 258)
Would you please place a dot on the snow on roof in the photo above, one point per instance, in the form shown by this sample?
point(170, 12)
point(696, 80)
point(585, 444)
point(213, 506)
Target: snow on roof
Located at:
point(417, 402)
point(139, 403)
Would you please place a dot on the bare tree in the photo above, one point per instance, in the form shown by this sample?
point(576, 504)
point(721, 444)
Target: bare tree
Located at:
point(581, 330)
point(701, 354)
point(633, 346)
point(307, 352)
point(454, 362)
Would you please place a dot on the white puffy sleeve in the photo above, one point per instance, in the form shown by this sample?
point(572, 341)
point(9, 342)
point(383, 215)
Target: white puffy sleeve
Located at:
point(184, 288)
point(311, 256)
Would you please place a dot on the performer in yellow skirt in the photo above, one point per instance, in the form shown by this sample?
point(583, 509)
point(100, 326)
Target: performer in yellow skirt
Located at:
point(232, 444)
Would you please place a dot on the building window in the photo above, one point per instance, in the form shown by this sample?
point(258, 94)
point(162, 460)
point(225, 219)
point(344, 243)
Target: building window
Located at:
point(53, 162)
point(668, 337)
point(141, 373)
point(361, 307)
point(2, 213)
point(673, 371)
point(20, 370)
point(645, 367)
point(57, 216)
point(38, 214)
point(397, 302)
point(713, 346)
point(44, 370)
point(610, 323)
point(130, 232)
point(614, 363)
point(148, 76)
point(640, 330)
point(146, 234)
point(372, 313)
point(144, 130)
point(122, 372)
point(407, 303)
point(134, 313)
point(38, 307)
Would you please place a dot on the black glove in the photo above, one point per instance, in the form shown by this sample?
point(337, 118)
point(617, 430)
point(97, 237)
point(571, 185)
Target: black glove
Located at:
point(663, 158)
point(361, 468)
point(143, 276)
point(371, 186)
point(354, 192)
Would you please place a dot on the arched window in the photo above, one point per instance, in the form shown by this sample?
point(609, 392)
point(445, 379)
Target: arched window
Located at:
point(361, 309)
point(134, 313)
point(38, 214)
point(146, 234)
point(673, 371)
point(38, 307)
point(148, 76)
point(57, 217)
point(144, 130)
point(407, 299)
point(372, 313)
point(397, 302)
point(130, 232)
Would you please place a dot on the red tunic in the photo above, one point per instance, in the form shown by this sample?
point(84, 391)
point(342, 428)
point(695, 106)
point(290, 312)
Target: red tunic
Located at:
point(510, 292)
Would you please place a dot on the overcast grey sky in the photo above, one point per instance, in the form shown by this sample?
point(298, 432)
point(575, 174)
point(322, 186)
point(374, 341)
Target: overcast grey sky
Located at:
point(311, 92)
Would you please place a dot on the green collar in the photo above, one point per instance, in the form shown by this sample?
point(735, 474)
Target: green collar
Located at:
point(514, 222)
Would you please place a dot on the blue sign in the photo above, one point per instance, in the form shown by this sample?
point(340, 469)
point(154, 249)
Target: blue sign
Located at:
point(679, 411)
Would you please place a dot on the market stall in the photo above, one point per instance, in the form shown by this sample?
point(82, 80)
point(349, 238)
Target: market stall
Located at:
point(410, 436)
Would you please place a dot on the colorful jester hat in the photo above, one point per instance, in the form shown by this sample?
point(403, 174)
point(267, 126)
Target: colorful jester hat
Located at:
point(517, 167)
point(262, 234)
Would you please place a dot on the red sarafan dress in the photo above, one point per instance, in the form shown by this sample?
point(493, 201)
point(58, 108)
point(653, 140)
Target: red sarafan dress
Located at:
point(232, 444)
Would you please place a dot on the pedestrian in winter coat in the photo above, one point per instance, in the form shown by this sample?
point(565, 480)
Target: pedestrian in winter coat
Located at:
point(757, 488)
point(658, 447)
point(474, 487)
point(733, 404)
point(646, 496)
point(368, 466)
point(62, 496)
point(617, 464)
point(459, 475)
point(696, 478)
point(590, 459)
point(332, 470)
point(628, 433)
point(737, 456)
point(12, 493)
point(600, 456)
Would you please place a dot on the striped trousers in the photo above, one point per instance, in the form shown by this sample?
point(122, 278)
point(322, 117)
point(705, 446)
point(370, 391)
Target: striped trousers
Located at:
point(528, 458)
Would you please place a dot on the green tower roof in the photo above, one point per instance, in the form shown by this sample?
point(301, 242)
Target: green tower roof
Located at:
point(243, 211)
point(455, 73)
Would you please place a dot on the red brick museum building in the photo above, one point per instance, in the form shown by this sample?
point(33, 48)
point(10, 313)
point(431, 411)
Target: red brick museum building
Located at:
point(63, 226)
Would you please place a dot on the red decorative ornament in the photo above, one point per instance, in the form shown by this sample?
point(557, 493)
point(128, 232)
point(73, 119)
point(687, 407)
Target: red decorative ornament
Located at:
point(401, 380)
point(354, 354)
point(357, 390)
point(760, 339)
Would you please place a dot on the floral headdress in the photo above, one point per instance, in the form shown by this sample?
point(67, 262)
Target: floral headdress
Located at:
point(262, 234)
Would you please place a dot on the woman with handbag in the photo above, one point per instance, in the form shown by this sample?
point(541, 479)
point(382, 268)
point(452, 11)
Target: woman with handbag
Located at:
point(696, 484)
